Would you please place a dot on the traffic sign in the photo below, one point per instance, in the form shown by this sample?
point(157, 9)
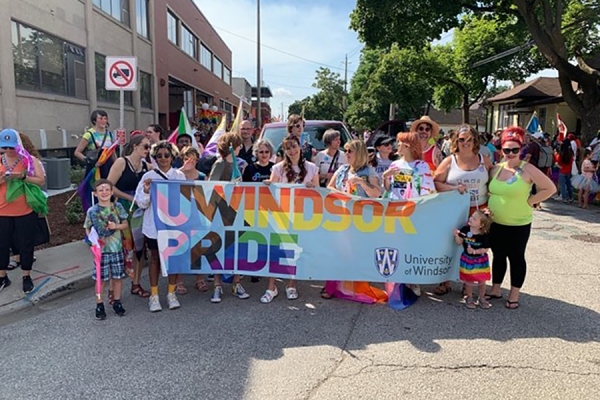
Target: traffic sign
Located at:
point(121, 73)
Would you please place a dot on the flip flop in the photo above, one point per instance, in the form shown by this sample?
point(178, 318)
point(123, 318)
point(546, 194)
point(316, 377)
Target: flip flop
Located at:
point(511, 305)
point(493, 297)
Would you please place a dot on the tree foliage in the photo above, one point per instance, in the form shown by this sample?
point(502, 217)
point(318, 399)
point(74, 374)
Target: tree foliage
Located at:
point(562, 30)
point(328, 102)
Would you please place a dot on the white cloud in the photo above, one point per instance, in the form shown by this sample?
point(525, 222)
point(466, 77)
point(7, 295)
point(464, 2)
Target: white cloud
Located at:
point(313, 30)
point(283, 92)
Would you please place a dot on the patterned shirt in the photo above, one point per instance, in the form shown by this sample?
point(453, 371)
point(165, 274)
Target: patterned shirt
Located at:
point(99, 217)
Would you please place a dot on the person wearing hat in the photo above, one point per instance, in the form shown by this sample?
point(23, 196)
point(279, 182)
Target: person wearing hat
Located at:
point(428, 129)
point(384, 154)
point(16, 217)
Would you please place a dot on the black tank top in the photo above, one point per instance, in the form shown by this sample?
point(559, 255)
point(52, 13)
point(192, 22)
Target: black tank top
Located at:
point(130, 179)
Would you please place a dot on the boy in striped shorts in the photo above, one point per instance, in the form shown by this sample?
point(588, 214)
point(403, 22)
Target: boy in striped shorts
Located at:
point(108, 219)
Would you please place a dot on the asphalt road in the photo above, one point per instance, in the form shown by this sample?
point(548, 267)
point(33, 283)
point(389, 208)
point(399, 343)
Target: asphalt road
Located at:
point(328, 349)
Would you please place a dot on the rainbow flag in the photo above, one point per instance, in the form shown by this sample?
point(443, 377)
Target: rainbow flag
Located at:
point(361, 292)
point(86, 187)
point(211, 146)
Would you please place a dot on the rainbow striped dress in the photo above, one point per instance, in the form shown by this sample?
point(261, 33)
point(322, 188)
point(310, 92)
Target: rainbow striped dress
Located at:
point(474, 267)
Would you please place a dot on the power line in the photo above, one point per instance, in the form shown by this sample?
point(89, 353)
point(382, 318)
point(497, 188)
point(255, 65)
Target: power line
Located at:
point(280, 51)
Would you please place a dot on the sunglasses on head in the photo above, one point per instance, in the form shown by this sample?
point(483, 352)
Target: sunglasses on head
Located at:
point(514, 150)
point(162, 155)
point(463, 140)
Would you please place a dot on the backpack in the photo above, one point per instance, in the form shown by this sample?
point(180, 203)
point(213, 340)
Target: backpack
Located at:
point(545, 160)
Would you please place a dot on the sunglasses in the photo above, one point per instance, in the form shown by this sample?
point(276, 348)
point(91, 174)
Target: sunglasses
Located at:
point(146, 147)
point(513, 150)
point(264, 152)
point(298, 126)
point(463, 140)
point(424, 129)
point(163, 155)
point(246, 129)
point(349, 151)
point(8, 148)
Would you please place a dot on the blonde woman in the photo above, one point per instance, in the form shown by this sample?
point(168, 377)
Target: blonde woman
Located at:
point(357, 178)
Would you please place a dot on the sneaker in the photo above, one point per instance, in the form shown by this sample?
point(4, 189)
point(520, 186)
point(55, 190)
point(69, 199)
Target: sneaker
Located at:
point(238, 291)
point(416, 289)
point(154, 304)
point(217, 295)
point(100, 312)
point(255, 279)
point(27, 284)
point(118, 308)
point(4, 282)
point(268, 296)
point(210, 278)
point(172, 301)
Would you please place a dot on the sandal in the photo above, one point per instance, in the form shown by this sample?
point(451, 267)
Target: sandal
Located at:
point(268, 296)
point(493, 296)
point(13, 265)
point(442, 289)
point(111, 297)
point(201, 285)
point(180, 288)
point(291, 293)
point(511, 305)
point(470, 303)
point(139, 291)
point(483, 303)
point(325, 294)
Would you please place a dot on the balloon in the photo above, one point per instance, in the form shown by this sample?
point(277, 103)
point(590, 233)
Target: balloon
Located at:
point(214, 109)
point(205, 106)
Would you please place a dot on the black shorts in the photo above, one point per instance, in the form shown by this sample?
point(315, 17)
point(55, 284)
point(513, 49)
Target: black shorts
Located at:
point(151, 243)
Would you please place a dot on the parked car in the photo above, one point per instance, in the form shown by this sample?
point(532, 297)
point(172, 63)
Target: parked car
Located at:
point(275, 132)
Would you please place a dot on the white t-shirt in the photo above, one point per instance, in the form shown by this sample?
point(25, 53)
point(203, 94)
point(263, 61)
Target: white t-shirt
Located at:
point(311, 171)
point(413, 180)
point(323, 161)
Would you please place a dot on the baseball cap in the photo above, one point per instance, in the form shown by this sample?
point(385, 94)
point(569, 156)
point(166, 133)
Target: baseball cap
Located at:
point(538, 135)
point(9, 138)
point(382, 140)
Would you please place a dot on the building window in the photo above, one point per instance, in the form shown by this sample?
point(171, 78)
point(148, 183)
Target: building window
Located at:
point(45, 63)
point(145, 85)
point(218, 67)
point(227, 75)
point(189, 43)
point(118, 9)
point(205, 57)
point(172, 27)
point(108, 96)
point(141, 17)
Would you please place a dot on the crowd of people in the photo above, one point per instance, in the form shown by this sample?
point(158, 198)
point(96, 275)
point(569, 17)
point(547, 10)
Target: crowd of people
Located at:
point(506, 176)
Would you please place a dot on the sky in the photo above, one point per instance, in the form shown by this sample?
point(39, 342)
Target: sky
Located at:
point(315, 33)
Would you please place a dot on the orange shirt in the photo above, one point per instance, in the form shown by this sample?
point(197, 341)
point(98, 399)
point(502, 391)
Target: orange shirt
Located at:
point(18, 207)
point(428, 158)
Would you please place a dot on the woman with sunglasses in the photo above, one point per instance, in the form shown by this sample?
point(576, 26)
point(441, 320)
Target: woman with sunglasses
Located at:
point(260, 170)
point(293, 169)
point(384, 154)
point(511, 204)
point(428, 130)
point(190, 156)
point(360, 179)
point(16, 217)
point(126, 174)
point(163, 153)
point(467, 171)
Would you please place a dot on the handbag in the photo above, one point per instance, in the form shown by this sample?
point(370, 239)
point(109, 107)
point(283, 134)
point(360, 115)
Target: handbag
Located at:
point(94, 154)
point(42, 232)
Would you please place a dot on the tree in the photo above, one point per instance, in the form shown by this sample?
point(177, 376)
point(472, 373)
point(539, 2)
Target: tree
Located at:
point(562, 30)
point(328, 102)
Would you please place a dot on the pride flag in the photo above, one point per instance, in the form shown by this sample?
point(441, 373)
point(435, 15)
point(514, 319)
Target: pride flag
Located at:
point(96, 249)
point(86, 187)
point(184, 128)
point(534, 124)
point(211, 146)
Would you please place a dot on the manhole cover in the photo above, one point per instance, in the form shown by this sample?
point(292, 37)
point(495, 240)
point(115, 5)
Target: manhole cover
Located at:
point(587, 238)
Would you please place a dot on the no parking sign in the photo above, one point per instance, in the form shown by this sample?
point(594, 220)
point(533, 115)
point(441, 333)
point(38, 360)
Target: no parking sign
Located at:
point(121, 73)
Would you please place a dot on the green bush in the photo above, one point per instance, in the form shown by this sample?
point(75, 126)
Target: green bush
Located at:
point(77, 174)
point(74, 212)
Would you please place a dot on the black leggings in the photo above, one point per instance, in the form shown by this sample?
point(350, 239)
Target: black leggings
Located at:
point(509, 242)
point(20, 230)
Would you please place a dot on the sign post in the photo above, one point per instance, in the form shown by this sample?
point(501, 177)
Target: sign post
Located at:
point(121, 75)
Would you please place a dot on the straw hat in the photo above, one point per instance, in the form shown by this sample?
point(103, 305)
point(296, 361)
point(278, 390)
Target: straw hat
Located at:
point(426, 120)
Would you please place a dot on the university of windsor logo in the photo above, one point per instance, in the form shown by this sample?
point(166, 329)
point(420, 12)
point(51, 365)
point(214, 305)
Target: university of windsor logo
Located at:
point(386, 261)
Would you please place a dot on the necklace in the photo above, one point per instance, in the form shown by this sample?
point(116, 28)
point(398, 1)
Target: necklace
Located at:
point(5, 163)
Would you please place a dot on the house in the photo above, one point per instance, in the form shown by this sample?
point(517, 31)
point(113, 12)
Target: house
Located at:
point(453, 119)
point(542, 95)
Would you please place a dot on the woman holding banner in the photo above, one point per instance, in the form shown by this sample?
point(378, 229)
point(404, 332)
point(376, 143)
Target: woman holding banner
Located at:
point(163, 153)
point(126, 174)
point(293, 169)
point(357, 178)
point(464, 170)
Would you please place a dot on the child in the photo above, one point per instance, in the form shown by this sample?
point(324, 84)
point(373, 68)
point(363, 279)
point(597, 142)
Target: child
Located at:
point(585, 182)
point(474, 261)
point(108, 219)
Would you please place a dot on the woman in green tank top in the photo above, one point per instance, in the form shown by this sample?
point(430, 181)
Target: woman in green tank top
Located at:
point(511, 203)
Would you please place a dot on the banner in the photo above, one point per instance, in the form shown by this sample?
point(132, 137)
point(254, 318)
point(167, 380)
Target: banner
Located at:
point(291, 231)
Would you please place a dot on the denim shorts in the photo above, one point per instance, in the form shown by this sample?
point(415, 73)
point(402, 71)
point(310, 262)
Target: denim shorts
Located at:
point(112, 266)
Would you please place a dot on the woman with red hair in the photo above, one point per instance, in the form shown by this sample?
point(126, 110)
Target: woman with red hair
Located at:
point(511, 204)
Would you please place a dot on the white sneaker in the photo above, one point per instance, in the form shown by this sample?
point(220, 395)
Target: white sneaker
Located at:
point(416, 289)
point(154, 304)
point(268, 296)
point(238, 291)
point(217, 295)
point(172, 301)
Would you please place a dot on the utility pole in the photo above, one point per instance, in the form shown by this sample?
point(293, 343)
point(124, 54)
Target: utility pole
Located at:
point(258, 71)
point(346, 74)
point(282, 117)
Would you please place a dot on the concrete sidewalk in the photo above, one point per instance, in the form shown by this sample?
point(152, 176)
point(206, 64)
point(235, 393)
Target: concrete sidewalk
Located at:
point(57, 271)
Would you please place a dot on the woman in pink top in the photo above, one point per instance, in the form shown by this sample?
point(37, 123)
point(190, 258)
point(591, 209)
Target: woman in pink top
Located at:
point(292, 169)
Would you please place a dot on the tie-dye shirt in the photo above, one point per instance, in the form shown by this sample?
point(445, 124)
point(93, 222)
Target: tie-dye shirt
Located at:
point(413, 180)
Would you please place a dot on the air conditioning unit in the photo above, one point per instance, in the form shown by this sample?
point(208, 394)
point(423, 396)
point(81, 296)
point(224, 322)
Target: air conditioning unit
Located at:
point(57, 172)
